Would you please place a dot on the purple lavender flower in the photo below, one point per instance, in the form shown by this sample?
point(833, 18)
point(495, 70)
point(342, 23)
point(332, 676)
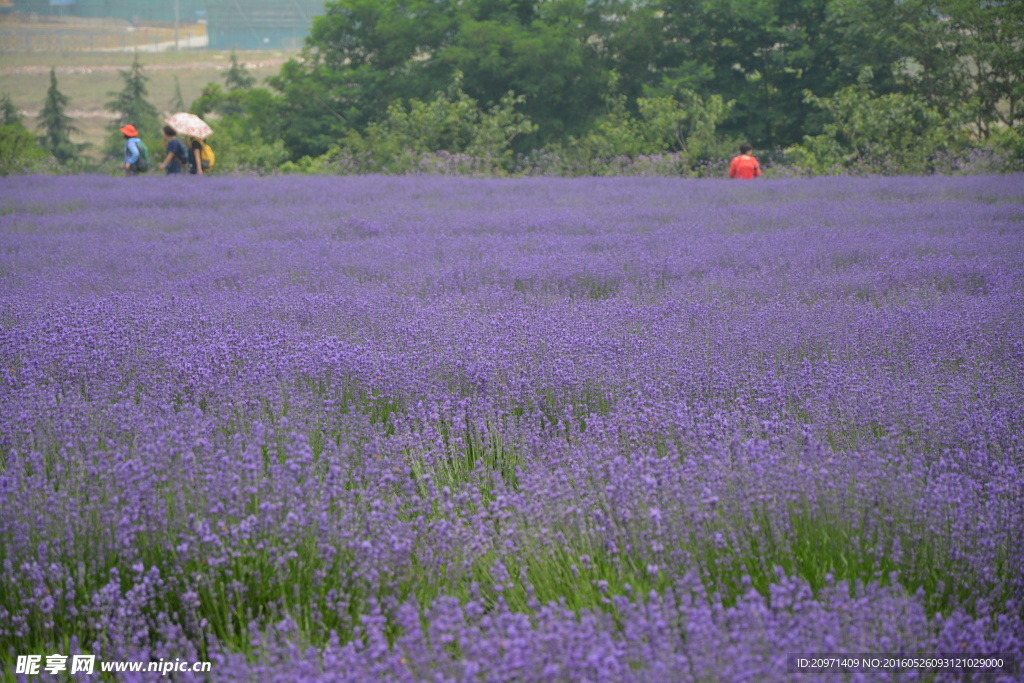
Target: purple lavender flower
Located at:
point(435, 428)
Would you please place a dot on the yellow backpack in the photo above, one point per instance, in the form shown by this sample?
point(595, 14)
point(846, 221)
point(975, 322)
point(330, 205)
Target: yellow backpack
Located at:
point(208, 158)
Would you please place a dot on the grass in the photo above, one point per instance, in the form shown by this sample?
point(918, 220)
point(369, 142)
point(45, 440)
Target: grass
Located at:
point(273, 576)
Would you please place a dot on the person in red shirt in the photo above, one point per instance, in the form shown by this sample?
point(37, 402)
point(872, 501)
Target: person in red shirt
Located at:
point(744, 166)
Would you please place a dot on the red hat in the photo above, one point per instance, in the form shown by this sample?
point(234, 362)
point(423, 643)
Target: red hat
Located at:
point(130, 131)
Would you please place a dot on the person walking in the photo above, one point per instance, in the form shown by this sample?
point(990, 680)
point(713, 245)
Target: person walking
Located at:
point(177, 156)
point(135, 155)
point(744, 166)
point(195, 157)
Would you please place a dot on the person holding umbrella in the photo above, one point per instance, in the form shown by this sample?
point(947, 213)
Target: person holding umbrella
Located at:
point(198, 130)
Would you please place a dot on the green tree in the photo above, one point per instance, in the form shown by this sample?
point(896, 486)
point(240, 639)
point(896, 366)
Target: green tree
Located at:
point(949, 52)
point(248, 128)
point(889, 37)
point(209, 100)
point(9, 114)
point(750, 61)
point(237, 77)
point(452, 122)
point(633, 45)
point(363, 55)
point(360, 56)
point(891, 133)
point(315, 106)
point(687, 123)
point(238, 80)
point(760, 53)
point(987, 39)
point(683, 123)
point(240, 146)
point(131, 106)
point(18, 148)
point(56, 124)
point(550, 52)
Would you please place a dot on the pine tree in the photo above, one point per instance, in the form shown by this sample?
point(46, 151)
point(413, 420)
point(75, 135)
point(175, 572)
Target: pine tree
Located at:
point(56, 124)
point(18, 147)
point(237, 77)
point(131, 106)
point(9, 114)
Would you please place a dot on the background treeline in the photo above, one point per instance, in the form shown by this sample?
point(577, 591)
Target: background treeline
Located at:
point(644, 86)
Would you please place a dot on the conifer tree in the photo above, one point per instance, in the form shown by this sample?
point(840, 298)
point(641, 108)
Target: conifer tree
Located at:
point(237, 77)
point(56, 124)
point(131, 106)
point(18, 147)
point(9, 114)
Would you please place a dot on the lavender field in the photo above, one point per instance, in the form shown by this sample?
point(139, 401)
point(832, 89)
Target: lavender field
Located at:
point(357, 429)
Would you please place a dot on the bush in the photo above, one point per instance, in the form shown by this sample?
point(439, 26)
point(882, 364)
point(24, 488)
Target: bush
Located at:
point(19, 152)
point(680, 128)
point(240, 148)
point(452, 123)
point(870, 134)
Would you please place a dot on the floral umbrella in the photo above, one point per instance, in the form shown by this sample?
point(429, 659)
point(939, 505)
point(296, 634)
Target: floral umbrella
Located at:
point(189, 124)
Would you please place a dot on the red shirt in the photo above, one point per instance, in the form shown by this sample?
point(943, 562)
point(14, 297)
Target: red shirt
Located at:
point(744, 166)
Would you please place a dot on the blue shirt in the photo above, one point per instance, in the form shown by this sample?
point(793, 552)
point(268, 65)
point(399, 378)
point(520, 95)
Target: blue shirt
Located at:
point(180, 155)
point(131, 150)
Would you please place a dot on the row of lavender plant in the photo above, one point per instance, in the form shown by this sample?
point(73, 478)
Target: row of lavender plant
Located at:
point(428, 428)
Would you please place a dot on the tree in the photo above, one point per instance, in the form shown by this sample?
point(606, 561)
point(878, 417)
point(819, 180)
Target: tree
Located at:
point(761, 53)
point(56, 124)
point(989, 41)
point(949, 52)
point(686, 123)
point(683, 123)
point(892, 133)
point(9, 114)
point(316, 106)
point(452, 122)
point(633, 42)
point(888, 37)
point(363, 55)
point(18, 148)
point(249, 126)
point(209, 100)
point(131, 106)
point(759, 56)
point(549, 52)
point(360, 56)
point(238, 81)
point(237, 77)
